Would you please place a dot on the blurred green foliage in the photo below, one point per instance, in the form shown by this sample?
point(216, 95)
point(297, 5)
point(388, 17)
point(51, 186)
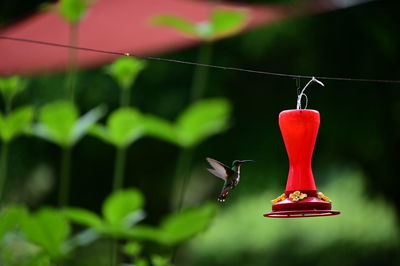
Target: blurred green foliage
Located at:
point(124, 126)
point(360, 128)
point(158, 260)
point(200, 121)
point(50, 231)
point(125, 70)
point(73, 10)
point(15, 123)
point(11, 86)
point(121, 210)
point(59, 122)
point(366, 230)
point(11, 219)
point(178, 227)
point(221, 23)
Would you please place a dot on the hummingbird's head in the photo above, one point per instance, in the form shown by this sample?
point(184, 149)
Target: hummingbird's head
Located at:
point(239, 162)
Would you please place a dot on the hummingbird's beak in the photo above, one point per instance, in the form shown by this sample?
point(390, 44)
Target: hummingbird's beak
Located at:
point(246, 161)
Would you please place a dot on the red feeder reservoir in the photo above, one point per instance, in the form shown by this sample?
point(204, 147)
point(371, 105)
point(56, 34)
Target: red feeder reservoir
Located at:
point(299, 129)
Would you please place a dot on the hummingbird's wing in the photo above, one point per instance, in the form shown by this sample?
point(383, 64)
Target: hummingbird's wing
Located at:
point(219, 169)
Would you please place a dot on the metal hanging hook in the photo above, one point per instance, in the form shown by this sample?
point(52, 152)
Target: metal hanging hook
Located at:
point(303, 94)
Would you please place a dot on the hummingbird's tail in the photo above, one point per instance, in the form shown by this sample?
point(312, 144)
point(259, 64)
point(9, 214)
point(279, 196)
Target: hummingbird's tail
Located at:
point(224, 194)
point(222, 198)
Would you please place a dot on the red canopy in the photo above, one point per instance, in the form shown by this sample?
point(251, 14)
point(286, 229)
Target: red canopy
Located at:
point(122, 26)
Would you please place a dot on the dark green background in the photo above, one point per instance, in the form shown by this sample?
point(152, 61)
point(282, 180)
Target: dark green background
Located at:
point(360, 121)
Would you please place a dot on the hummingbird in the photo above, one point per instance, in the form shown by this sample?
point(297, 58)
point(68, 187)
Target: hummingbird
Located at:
point(230, 175)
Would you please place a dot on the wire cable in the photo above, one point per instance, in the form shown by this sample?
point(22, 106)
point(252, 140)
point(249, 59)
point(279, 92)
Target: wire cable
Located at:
point(196, 64)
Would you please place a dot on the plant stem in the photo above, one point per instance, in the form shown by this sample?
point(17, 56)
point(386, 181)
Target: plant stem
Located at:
point(4, 156)
point(182, 175)
point(65, 172)
point(118, 183)
point(124, 97)
point(114, 252)
point(72, 62)
point(119, 169)
point(201, 73)
point(3, 168)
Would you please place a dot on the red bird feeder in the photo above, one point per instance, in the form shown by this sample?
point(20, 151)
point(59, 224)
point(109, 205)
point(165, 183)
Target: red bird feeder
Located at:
point(301, 199)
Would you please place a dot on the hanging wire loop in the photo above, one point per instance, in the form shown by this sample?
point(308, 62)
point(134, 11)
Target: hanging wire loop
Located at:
point(302, 94)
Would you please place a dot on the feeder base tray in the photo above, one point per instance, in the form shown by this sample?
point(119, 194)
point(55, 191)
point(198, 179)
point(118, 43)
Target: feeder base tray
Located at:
point(311, 206)
point(300, 213)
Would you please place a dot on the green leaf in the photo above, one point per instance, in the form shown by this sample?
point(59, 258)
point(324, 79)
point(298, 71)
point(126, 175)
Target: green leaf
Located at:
point(73, 10)
point(57, 121)
point(132, 249)
point(145, 232)
point(201, 120)
point(157, 260)
point(125, 126)
point(83, 238)
point(15, 123)
point(84, 123)
point(100, 132)
point(11, 86)
point(49, 229)
point(222, 22)
point(125, 70)
point(160, 128)
point(186, 224)
point(177, 227)
point(84, 217)
point(11, 218)
point(40, 259)
point(123, 208)
point(227, 22)
point(204, 30)
point(141, 262)
point(177, 23)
